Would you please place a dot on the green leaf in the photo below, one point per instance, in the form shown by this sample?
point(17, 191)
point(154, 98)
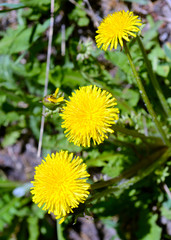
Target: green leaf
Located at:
point(77, 13)
point(152, 32)
point(148, 228)
point(120, 60)
point(58, 142)
point(115, 165)
point(163, 70)
point(11, 117)
point(84, 21)
point(72, 78)
point(10, 138)
point(18, 40)
point(6, 73)
point(131, 96)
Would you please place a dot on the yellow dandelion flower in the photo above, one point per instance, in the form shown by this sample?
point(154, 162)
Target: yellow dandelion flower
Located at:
point(89, 114)
point(116, 27)
point(60, 184)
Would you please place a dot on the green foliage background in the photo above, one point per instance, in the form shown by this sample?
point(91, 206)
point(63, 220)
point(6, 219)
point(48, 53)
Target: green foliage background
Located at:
point(135, 155)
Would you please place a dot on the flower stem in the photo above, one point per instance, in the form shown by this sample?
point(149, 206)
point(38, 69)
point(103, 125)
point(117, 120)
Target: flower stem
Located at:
point(59, 230)
point(145, 97)
point(134, 133)
point(153, 79)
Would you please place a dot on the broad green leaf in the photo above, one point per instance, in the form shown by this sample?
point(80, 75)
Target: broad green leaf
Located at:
point(18, 40)
point(148, 228)
point(120, 60)
point(72, 78)
point(163, 70)
point(131, 96)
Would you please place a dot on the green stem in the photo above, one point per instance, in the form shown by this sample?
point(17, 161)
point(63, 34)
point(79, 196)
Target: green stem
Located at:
point(145, 97)
point(136, 134)
point(153, 79)
point(59, 230)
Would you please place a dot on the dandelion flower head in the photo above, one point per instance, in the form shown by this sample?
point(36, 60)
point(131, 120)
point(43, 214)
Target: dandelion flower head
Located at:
point(89, 114)
point(115, 28)
point(60, 184)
